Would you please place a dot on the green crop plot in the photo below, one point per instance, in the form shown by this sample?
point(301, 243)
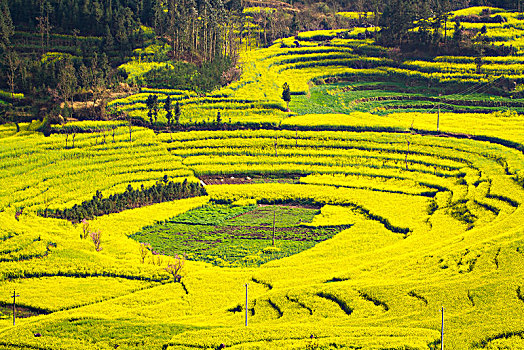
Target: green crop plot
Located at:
point(237, 236)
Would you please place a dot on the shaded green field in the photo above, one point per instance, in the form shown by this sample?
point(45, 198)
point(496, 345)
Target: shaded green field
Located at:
point(237, 236)
point(382, 98)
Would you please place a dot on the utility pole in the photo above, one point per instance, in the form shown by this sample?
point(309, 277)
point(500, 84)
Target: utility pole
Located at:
point(246, 304)
point(438, 114)
point(274, 227)
point(14, 307)
point(406, 160)
point(276, 143)
point(442, 331)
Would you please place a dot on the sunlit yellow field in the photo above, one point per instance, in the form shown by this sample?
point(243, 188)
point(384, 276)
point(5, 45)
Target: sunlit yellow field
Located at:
point(433, 220)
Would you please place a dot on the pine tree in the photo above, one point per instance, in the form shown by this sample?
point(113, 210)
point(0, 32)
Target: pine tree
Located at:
point(7, 28)
point(167, 107)
point(286, 94)
point(177, 113)
point(67, 82)
point(152, 105)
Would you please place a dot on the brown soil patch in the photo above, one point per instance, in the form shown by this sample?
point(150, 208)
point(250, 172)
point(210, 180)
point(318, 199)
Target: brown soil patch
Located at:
point(6, 311)
point(243, 179)
point(226, 180)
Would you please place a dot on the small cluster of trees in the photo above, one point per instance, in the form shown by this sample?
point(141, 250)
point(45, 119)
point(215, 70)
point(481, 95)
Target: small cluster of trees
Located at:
point(174, 268)
point(95, 234)
point(162, 191)
point(153, 107)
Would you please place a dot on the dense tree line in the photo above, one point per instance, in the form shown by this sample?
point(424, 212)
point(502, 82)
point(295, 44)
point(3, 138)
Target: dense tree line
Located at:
point(202, 36)
point(193, 27)
point(162, 191)
point(430, 17)
point(88, 17)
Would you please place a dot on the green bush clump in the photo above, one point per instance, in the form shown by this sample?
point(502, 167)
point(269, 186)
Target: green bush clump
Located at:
point(188, 76)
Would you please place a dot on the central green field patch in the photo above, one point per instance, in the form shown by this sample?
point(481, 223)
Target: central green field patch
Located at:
point(227, 235)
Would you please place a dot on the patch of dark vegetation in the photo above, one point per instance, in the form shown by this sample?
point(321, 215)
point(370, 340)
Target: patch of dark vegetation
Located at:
point(467, 260)
point(496, 258)
point(505, 335)
point(265, 284)
point(432, 207)
point(470, 298)
point(301, 304)
point(505, 199)
point(460, 211)
point(22, 311)
point(184, 287)
point(237, 308)
point(519, 180)
point(418, 296)
point(478, 182)
point(435, 344)
point(520, 295)
point(81, 274)
point(162, 191)
point(374, 300)
point(299, 202)
point(462, 182)
point(210, 215)
point(369, 215)
point(275, 307)
point(7, 236)
point(23, 257)
point(189, 76)
point(488, 207)
point(341, 303)
point(337, 279)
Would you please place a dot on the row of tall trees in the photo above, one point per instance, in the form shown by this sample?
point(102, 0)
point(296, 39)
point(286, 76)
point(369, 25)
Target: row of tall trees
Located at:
point(88, 17)
point(205, 28)
point(162, 191)
point(400, 16)
point(198, 30)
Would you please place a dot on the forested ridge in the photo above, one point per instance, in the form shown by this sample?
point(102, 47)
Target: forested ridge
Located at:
point(54, 53)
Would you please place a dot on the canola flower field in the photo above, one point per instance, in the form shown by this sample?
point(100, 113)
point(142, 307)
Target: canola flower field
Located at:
point(426, 219)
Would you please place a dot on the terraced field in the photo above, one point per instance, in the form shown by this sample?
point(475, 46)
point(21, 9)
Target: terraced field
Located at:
point(351, 219)
point(378, 83)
